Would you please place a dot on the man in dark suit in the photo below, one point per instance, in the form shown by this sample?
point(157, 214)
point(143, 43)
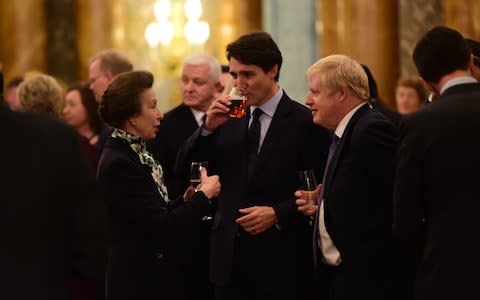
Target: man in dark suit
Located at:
point(199, 84)
point(436, 191)
point(52, 221)
point(259, 247)
point(352, 227)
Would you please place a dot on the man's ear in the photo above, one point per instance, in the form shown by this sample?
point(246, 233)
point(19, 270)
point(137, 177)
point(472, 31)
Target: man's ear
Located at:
point(273, 72)
point(432, 88)
point(109, 76)
point(471, 64)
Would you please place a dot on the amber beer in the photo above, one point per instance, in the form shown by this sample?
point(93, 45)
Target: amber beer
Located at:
point(238, 106)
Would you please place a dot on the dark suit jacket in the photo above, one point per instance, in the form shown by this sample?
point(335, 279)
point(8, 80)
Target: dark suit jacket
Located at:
point(148, 235)
point(52, 222)
point(358, 203)
point(177, 126)
point(437, 196)
point(279, 258)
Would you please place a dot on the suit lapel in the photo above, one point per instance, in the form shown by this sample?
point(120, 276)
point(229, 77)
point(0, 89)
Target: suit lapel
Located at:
point(341, 143)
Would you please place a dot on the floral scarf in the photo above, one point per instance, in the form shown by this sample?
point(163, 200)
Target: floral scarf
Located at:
point(139, 146)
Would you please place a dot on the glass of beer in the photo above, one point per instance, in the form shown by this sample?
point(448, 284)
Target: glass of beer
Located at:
point(239, 103)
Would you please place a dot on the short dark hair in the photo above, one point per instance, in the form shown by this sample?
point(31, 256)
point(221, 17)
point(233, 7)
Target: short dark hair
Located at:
point(258, 49)
point(439, 52)
point(225, 68)
point(121, 100)
point(91, 105)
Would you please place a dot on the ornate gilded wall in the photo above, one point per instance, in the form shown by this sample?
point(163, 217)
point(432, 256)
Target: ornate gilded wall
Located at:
point(60, 36)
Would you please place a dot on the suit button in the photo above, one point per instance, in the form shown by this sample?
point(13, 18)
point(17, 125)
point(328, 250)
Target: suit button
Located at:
point(160, 255)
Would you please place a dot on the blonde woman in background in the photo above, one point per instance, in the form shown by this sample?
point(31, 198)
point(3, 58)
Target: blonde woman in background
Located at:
point(41, 94)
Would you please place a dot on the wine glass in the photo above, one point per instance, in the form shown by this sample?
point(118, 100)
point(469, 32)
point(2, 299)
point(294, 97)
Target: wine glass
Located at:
point(308, 183)
point(195, 173)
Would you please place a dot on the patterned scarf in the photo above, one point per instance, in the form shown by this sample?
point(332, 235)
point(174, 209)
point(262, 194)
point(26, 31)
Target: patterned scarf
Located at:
point(139, 146)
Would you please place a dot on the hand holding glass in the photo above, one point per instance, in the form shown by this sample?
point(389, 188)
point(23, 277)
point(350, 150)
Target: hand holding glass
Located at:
point(195, 175)
point(308, 183)
point(195, 172)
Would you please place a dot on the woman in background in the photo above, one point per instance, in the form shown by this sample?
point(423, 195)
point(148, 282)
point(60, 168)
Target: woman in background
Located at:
point(149, 230)
point(410, 95)
point(41, 94)
point(81, 112)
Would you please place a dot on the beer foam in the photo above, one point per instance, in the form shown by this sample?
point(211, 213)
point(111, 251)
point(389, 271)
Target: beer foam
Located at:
point(233, 92)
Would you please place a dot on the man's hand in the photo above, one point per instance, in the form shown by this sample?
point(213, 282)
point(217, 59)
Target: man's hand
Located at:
point(307, 201)
point(257, 219)
point(217, 113)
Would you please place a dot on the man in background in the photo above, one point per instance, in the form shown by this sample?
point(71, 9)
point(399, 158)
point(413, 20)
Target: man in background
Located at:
point(104, 66)
point(199, 83)
point(436, 192)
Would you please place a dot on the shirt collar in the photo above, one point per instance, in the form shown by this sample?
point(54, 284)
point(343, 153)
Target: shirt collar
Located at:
point(271, 104)
point(457, 81)
point(344, 122)
point(198, 115)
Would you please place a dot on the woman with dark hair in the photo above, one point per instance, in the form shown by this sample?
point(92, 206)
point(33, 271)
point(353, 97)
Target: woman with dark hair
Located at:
point(81, 112)
point(150, 231)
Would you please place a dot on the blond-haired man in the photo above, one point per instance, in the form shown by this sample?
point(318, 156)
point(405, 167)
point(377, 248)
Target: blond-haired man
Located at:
point(352, 225)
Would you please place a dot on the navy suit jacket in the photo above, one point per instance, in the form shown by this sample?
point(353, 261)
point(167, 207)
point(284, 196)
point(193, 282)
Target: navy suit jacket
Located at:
point(358, 203)
point(292, 143)
point(437, 197)
point(149, 236)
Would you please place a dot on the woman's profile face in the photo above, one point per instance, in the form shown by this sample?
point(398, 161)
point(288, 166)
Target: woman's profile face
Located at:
point(146, 123)
point(74, 112)
point(407, 100)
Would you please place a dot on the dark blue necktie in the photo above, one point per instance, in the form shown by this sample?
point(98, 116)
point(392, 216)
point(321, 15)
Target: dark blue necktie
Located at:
point(253, 140)
point(331, 152)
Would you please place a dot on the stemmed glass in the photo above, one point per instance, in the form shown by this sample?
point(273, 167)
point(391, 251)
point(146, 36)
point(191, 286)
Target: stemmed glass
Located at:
point(195, 172)
point(195, 169)
point(308, 183)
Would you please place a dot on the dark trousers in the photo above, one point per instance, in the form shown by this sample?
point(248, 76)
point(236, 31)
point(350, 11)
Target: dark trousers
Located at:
point(247, 281)
point(359, 283)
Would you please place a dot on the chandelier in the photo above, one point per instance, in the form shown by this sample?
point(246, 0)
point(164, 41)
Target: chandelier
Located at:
point(163, 30)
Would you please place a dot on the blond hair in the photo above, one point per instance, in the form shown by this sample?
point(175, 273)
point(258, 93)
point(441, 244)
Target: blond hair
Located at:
point(41, 94)
point(337, 71)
